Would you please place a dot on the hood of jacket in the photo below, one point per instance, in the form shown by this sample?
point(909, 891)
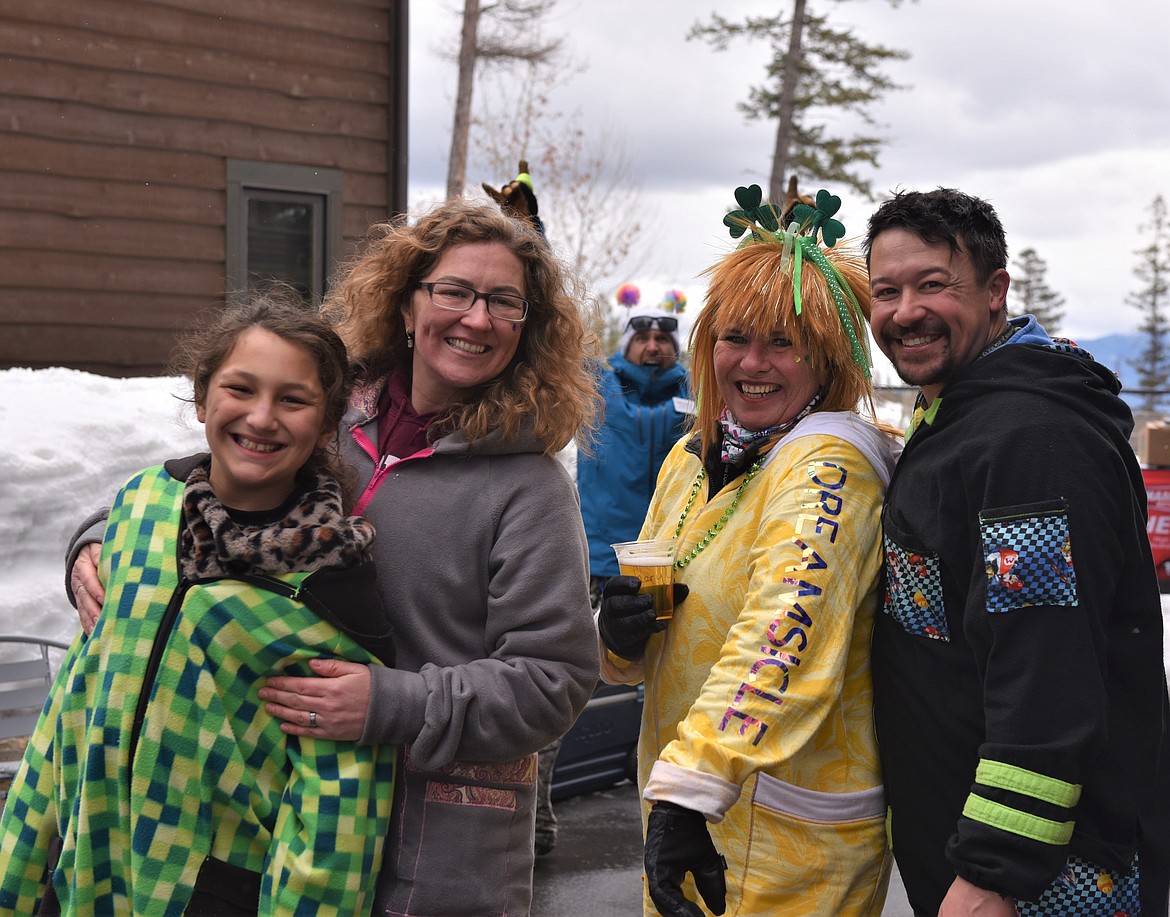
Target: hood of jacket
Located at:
point(649, 384)
point(1056, 370)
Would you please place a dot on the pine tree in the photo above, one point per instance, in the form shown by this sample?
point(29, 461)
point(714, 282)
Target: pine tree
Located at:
point(1153, 270)
point(1031, 292)
point(815, 69)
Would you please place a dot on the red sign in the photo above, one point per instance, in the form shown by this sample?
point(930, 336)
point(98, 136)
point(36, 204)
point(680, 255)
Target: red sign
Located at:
point(1157, 482)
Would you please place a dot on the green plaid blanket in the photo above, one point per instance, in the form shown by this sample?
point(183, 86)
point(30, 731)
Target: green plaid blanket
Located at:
point(212, 774)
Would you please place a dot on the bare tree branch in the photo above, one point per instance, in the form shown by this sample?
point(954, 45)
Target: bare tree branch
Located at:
point(504, 32)
point(588, 191)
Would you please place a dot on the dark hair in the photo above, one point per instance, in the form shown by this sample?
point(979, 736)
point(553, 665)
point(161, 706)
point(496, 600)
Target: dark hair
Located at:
point(963, 222)
point(280, 310)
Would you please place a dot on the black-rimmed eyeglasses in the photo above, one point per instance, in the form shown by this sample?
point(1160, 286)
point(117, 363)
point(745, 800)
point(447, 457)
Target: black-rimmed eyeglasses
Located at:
point(667, 323)
point(458, 298)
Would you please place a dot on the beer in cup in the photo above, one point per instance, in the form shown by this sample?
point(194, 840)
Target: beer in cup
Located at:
point(652, 561)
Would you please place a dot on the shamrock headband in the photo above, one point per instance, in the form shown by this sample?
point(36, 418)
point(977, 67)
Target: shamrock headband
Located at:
point(800, 242)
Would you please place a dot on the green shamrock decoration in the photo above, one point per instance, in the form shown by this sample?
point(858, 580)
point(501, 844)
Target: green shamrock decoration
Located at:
point(801, 243)
point(821, 218)
point(753, 210)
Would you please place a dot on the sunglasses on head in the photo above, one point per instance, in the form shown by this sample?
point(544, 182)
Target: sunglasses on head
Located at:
point(646, 322)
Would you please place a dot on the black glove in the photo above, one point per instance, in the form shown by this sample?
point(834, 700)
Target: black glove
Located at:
point(627, 619)
point(677, 842)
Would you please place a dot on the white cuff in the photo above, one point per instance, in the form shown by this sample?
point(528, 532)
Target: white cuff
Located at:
point(691, 789)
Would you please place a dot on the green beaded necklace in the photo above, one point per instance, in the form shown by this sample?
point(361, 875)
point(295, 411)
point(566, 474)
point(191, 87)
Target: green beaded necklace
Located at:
point(718, 526)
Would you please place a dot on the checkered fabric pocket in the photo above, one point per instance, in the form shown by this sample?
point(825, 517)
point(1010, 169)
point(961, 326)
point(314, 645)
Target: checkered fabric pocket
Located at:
point(914, 594)
point(1027, 553)
point(1087, 891)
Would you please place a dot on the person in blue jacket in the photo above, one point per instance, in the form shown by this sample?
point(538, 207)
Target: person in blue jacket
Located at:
point(647, 401)
point(646, 406)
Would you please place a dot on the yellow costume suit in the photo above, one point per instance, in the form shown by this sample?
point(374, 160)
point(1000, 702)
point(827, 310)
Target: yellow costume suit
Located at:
point(758, 705)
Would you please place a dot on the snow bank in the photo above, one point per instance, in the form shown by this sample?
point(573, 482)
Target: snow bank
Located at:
point(68, 441)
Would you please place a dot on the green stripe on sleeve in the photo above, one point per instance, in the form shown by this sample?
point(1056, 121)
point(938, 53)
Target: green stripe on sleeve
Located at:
point(1014, 821)
point(1028, 783)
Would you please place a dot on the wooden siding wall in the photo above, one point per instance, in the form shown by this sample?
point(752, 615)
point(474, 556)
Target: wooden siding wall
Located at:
point(117, 118)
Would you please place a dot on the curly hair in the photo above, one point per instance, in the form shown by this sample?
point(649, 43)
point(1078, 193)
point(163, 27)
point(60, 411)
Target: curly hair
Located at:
point(548, 383)
point(748, 291)
point(280, 310)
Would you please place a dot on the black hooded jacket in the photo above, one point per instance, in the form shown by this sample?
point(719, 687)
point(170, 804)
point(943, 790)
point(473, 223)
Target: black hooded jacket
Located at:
point(1020, 656)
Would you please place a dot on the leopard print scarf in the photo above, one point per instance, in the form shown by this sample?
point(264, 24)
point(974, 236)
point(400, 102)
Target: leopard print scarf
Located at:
point(316, 534)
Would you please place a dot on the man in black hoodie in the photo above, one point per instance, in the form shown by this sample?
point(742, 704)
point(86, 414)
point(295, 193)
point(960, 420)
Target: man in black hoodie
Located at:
point(1019, 680)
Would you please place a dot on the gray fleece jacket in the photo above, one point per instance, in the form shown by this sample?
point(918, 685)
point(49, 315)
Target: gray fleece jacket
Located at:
point(483, 569)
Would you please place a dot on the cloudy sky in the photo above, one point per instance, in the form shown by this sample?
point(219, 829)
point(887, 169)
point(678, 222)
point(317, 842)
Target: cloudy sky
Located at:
point(1057, 113)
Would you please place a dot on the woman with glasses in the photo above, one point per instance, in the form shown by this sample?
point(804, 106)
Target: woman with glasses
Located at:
point(472, 357)
point(757, 759)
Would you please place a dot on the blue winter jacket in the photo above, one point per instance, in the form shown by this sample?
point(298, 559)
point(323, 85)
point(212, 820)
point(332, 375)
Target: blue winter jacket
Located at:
point(645, 413)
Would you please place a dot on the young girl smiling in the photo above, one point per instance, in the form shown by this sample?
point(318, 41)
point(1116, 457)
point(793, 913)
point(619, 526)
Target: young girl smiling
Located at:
point(154, 784)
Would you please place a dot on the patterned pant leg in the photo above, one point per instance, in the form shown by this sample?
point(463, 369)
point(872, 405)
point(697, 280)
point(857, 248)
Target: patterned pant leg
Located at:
point(546, 819)
point(1087, 891)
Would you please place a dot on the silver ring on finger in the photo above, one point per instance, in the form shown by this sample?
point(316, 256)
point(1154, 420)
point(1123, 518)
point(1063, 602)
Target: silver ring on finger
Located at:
point(312, 720)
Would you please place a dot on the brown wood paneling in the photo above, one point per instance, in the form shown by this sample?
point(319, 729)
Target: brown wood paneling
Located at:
point(358, 221)
point(67, 121)
point(116, 91)
point(131, 238)
point(80, 309)
point(365, 188)
point(109, 351)
point(118, 118)
point(123, 335)
point(86, 198)
point(24, 153)
point(77, 271)
point(341, 35)
point(141, 56)
point(137, 219)
point(348, 20)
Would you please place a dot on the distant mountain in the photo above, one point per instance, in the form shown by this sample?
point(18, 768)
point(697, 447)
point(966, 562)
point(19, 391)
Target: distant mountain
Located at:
point(1115, 351)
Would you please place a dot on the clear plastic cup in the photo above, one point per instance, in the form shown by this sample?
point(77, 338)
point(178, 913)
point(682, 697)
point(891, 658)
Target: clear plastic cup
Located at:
point(652, 561)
